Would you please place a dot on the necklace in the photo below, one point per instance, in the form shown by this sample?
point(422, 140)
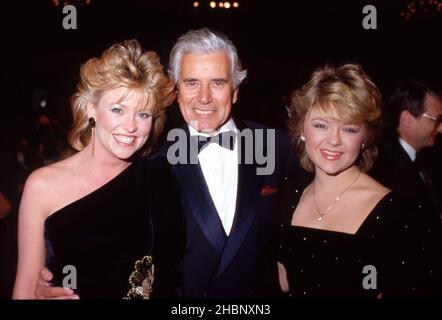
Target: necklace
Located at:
point(322, 213)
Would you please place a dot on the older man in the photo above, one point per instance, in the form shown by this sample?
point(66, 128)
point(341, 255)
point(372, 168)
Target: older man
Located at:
point(229, 192)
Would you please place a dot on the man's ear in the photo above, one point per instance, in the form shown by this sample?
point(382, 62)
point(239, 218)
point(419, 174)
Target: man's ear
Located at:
point(406, 118)
point(235, 95)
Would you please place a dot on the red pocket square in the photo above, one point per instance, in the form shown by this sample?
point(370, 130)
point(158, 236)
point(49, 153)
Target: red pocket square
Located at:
point(268, 190)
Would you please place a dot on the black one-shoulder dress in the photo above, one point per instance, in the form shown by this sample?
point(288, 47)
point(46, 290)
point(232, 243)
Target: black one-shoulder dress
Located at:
point(93, 243)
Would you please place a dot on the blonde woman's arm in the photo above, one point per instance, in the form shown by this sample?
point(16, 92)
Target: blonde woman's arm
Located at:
point(31, 247)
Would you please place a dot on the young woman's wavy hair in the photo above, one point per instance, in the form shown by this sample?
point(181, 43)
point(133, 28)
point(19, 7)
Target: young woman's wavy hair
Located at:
point(122, 65)
point(346, 90)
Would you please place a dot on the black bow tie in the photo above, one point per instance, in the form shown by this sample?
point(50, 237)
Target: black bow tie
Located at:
point(224, 139)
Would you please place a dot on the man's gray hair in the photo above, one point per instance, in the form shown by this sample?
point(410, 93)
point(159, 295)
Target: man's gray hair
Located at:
point(205, 41)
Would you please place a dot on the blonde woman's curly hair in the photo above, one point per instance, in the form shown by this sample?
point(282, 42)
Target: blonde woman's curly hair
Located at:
point(346, 90)
point(122, 65)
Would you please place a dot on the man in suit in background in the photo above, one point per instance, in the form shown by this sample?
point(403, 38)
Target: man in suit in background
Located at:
point(418, 116)
point(228, 201)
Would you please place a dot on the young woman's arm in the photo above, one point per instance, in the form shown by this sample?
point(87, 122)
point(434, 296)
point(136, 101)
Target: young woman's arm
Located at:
point(31, 247)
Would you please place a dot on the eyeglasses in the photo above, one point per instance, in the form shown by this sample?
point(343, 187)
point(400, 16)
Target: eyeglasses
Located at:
point(437, 120)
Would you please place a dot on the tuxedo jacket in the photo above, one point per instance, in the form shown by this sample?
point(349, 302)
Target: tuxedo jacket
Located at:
point(395, 169)
point(243, 264)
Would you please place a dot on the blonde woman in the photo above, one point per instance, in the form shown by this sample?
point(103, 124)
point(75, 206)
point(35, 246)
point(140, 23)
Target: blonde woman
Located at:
point(94, 214)
point(345, 234)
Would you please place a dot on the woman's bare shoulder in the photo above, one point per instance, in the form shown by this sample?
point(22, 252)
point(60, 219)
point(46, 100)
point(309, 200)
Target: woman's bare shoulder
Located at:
point(376, 187)
point(49, 176)
point(47, 186)
point(373, 189)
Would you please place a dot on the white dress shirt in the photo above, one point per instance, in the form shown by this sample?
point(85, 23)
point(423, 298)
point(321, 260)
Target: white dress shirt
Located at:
point(220, 169)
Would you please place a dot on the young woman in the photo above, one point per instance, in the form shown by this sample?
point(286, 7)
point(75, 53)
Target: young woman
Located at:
point(90, 217)
point(344, 234)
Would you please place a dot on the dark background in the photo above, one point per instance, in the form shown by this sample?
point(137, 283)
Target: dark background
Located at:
point(279, 42)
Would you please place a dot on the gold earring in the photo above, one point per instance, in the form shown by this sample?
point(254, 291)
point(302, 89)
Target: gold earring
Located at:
point(92, 125)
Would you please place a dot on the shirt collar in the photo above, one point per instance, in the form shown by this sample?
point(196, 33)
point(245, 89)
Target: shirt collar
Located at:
point(408, 149)
point(228, 126)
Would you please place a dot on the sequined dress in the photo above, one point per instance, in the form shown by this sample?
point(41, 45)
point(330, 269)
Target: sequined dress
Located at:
point(103, 234)
point(391, 253)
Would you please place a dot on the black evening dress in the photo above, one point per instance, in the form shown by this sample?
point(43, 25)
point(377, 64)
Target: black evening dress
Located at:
point(391, 253)
point(102, 235)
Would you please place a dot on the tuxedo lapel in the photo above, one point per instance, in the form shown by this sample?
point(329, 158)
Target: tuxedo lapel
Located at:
point(408, 179)
point(404, 158)
point(249, 186)
point(405, 164)
point(197, 200)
